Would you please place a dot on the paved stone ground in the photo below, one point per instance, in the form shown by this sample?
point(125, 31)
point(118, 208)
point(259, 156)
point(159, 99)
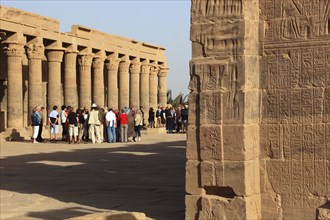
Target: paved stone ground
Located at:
point(57, 181)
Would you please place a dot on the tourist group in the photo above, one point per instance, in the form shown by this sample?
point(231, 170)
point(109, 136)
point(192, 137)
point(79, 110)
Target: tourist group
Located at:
point(102, 124)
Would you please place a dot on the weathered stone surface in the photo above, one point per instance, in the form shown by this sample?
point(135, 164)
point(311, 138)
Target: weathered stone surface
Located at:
point(264, 81)
point(193, 168)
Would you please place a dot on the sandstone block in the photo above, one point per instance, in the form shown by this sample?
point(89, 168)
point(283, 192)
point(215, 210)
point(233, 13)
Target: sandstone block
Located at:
point(192, 177)
point(210, 142)
point(207, 173)
point(240, 142)
point(192, 206)
point(192, 145)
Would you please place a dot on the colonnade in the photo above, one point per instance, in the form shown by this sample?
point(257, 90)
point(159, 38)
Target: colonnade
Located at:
point(131, 81)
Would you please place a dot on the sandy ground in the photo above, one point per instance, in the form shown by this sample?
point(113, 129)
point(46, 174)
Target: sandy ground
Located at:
point(58, 181)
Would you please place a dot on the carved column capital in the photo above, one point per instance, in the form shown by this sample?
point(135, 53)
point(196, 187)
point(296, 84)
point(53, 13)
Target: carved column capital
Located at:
point(124, 66)
point(163, 72)
point(135, 68)
point(98, 62)
point(35, 51)
point(154, 70)
point(113, 64)
point(85, 60)
point(145, 69)
point(13, 49)
point(71, 51)
point(55, 55)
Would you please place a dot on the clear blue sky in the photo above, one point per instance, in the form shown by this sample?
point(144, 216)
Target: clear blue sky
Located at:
point(163, 22)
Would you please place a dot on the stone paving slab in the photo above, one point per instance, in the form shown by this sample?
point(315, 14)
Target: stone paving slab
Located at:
point(59, 181)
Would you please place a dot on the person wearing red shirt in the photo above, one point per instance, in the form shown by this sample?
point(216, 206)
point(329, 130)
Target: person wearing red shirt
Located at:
point(123, 120)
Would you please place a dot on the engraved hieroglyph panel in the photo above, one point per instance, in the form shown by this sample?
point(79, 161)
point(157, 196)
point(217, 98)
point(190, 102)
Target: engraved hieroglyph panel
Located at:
point(202, 10)
point(295, 20)
point(295, 117)
point(222, 38)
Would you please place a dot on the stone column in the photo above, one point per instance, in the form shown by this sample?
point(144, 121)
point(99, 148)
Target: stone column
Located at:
point(222, 166)
point(14, 52)
point(85, 91)
point(123, 84)
point(162, 88)
point(35, 54)
point(112, 67)
point(144, 90)
point(135, 70)
point(98, 81)
point(70, 78)
point(55, 57)
point(153, 83)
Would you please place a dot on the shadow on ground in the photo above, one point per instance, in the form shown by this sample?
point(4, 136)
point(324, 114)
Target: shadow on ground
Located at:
point(141, 177)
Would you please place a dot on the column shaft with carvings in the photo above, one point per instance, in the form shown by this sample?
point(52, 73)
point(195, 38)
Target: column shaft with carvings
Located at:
point(14, 52)
point(112, 68)
point(35, 54)
point(135, 85)
point(98, 81)
point(153, 84)
point(55, 57)
point(70, 79)
point(144, 90)
point(162, 87)
point(123, 84)
point(85, 91)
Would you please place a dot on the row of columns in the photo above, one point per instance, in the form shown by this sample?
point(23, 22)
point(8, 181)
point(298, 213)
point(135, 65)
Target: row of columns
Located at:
point(137, 81)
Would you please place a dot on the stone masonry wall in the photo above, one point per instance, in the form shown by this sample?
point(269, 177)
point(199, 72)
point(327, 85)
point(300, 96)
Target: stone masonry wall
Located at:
point(222, 169)
point(259, 135)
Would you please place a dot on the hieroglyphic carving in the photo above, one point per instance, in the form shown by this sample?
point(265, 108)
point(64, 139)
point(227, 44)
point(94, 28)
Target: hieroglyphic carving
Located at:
point(209, 76)
point(211, 142)
point(210, 107)
point(223, 38)
point(295, 106)
point(295, 19)
point(217, 8)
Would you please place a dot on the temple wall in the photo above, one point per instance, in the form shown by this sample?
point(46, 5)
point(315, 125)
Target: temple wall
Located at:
point(294, 83)
point(258, 140)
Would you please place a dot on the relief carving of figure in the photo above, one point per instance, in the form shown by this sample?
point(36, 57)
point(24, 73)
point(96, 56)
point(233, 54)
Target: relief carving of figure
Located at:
point(294, 25)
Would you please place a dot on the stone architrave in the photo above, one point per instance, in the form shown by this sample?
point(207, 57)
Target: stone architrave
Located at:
point(98, 80)
point(134, 98)
point(85, 90)
point(162, 87)
point(144, 90)
point(112, 68)
point(14, 51)
point(123, 84)
point(54, 95)
point(153, 84)
point(35, 54)
point(70, 78)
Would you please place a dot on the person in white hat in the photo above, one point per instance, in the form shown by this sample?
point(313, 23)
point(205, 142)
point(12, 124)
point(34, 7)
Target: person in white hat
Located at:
point(94, 124)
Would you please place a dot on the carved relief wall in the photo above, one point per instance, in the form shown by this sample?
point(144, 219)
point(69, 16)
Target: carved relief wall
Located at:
point(295, 80)
point(259, 127)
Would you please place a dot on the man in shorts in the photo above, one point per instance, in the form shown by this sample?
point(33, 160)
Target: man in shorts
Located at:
point(73, 125)
point(53, 122)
